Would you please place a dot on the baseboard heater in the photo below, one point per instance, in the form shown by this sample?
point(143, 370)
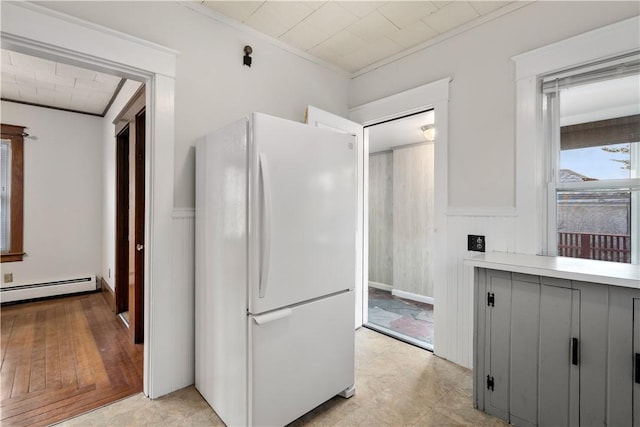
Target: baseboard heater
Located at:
point(47, 289)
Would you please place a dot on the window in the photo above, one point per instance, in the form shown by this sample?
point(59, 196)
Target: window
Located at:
point(11, 186)
point(592, 122)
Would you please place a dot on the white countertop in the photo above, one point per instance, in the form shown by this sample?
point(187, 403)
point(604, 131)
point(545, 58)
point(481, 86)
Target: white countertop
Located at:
point(608, 273)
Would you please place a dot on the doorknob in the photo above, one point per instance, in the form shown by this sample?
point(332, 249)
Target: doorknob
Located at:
point(139, 247)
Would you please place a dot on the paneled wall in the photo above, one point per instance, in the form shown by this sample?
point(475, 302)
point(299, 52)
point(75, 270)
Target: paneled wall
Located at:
point(401, 219)
point(381, 218)
point(499, 227)
point(413, 219)
point(182, 317)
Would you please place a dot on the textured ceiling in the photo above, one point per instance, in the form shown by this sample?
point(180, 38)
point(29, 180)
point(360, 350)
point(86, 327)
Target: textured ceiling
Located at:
point(353, 35)
point(37, 81)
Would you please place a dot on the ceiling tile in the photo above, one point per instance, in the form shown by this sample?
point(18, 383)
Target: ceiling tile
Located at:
point(343, 43)
point(27, 92)
point(8, 77)
point(414, 34)
point(441, 4)
point(319, 26)
point(66, 70)
point(10, 90)
point(372, 53)
point(24, 80)
point(19, 60)
point(23, 72)
point(372, 26)
point(94, 86)
point(51, 84)
point(276, 18)
point(383, 48)
point(48, 78)
point(405, 13)
point(361, 8)
point(238, 10)
point(355, 62)
point(108, 78)
point(484, 7)
point(451, 16)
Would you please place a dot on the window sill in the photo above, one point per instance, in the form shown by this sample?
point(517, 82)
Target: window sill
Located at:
point(11, 257)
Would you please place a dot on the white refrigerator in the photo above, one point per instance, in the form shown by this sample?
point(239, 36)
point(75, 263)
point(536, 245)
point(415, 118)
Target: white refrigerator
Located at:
point(275, 269)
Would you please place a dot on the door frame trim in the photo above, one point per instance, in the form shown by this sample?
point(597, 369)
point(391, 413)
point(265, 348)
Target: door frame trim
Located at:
point(37, 30)
point(434, 96)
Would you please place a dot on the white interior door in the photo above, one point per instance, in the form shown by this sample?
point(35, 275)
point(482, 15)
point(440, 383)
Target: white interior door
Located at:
point(323, 119)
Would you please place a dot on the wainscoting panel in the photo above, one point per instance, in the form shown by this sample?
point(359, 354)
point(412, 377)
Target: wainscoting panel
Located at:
point(454, 311)
point(183, 318)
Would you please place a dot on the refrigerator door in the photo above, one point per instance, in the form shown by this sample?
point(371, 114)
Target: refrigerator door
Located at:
point(300, 358)
point(303, 207)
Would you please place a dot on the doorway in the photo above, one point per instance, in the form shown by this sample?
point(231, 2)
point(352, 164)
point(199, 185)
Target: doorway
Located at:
point(401, 228)
point(130, 215)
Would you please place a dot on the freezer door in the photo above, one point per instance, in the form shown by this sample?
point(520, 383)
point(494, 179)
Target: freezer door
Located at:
point(303, 207)
point(300, 357)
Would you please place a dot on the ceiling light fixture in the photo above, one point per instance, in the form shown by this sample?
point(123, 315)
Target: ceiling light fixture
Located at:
point(429, 132)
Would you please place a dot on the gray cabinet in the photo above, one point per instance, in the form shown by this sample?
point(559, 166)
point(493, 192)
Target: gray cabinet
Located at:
point(559, 367)
point(556, 352)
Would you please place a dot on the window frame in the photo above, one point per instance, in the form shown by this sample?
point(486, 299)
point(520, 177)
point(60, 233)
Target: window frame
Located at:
point(15, 135)
point(552, 133)
point(531, 157)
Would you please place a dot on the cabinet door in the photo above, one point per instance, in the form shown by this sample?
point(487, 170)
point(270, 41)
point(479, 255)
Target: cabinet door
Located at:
point(497, 334)
point(525, 321)
point(623, 330)
point(594, 311)
point(559, 372)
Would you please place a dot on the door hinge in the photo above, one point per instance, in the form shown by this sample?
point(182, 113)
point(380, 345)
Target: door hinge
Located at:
point(491, 299)
point(489, 382)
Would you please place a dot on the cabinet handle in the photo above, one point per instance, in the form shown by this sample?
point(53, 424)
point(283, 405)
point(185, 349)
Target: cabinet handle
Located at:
point(574, 351)
point(637, 368)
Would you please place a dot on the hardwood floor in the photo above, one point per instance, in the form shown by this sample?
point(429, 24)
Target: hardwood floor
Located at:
point(63, 357)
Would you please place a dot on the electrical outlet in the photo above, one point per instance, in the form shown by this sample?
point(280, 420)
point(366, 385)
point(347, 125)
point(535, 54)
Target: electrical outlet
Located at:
point(8, 277)
point(475, 243)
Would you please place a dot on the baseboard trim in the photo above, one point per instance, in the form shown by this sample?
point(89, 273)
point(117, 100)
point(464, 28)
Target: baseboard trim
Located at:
point(108, 295)
point(380, 286)
point(413, 297)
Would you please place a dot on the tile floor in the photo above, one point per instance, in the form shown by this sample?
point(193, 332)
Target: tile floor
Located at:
point(406, 317)
point(397, 384)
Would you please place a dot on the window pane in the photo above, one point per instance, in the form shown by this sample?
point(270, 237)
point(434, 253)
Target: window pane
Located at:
point(600, 130)
point(5, 195)
point(596, 225)
point(596, 163)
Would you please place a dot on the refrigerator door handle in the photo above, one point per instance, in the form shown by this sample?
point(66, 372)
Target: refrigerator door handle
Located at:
point(261, 319)
point(265, 242)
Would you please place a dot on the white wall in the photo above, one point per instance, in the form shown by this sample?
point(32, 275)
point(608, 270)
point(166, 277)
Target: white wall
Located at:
point(481, 137)
point(482, 105)
point(108, 267)
point(62, 194)
point(213, 88)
